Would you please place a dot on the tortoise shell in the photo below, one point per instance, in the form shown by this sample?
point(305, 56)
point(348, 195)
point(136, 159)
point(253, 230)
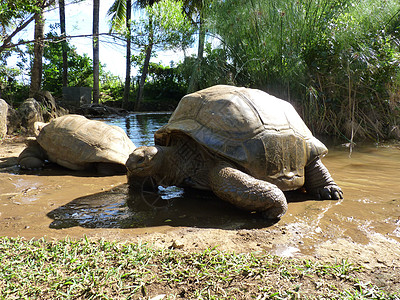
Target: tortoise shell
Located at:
point(259, 133)
point(74, 141)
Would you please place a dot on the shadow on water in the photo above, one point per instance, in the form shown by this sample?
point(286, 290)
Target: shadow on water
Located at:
point(172, 206)
point(52, 169)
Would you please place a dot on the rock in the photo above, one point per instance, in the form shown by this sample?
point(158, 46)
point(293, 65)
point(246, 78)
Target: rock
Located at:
point(13, 120)
point(3, 118)
point(177, 244)
point(99, 110)
point(50, 109)
point(30, 112)
point(42, 108)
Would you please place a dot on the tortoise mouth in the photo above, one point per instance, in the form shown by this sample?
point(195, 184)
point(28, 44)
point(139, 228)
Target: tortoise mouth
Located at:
point(142, 161)
point(139, 171)
point(136, 170)
point(134, 165)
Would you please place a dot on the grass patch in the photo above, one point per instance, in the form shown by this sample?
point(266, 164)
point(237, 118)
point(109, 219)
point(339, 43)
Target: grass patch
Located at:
point(85, 269)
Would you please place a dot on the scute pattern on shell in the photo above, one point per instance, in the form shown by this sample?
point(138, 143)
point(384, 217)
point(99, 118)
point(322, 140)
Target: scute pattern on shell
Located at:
point(262, 134)
point(74, 141)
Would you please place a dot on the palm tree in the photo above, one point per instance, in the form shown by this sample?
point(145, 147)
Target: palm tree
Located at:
point(128, 54)
point(61, 5)
point(96, 62)
point(37, 67)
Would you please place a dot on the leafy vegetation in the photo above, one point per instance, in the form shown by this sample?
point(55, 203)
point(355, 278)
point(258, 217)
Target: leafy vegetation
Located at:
point(87, 269)
point(80, 67)
point(337, 60)
point(16, 15)
point(165, 83)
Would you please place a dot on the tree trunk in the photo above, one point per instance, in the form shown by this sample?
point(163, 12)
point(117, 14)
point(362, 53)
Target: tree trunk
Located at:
point(128, 55)
point(61, 4)
point(145, 67)
point(143, 76)
point(194, 84)
point(96, 62)
point(37, 67)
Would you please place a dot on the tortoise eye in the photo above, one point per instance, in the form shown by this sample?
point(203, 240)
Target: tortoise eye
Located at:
point(140, 160)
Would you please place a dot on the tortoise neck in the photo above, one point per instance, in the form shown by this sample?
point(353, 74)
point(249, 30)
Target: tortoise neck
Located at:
point(166, 171)
point(163, 159)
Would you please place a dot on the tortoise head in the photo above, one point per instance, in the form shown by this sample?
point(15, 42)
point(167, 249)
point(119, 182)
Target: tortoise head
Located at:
point(38, 126)
point(144, 161)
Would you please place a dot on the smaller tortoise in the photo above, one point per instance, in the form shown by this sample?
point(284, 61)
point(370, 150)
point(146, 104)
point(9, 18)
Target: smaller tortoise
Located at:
point(78, 143)
point(243, 144)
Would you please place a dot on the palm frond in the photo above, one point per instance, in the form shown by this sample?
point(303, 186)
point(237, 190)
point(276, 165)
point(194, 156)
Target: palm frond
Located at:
point(117, 11)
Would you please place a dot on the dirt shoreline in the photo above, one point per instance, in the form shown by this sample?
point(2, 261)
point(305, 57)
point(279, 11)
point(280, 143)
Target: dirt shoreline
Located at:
point(310, 230)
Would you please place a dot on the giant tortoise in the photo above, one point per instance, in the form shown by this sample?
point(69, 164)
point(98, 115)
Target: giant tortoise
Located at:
point(243, 144)
point(78, 143)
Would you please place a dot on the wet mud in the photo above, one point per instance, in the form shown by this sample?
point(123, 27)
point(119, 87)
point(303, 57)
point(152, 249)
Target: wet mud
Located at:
point(364, 226)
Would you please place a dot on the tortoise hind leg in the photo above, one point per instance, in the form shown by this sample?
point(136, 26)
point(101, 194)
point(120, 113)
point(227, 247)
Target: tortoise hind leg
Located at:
point(32, 157)
point(320, 183)
point(247, 192)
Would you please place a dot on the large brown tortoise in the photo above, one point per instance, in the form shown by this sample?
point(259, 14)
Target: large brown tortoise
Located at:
point(243, 144)
point(78, 143)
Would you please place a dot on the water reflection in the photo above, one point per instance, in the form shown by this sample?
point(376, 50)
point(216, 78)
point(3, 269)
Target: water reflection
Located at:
point(140, 127)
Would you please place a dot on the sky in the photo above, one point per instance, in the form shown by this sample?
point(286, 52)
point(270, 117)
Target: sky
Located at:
point(79, 21)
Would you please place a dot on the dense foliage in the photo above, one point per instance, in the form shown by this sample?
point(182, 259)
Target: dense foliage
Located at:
point(80, 67)
point(337, 60)
point(169, 28)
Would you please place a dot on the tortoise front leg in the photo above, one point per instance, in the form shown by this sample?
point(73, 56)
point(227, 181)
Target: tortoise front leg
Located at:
point(32, 157)
point(247, 192)
point(320, 183)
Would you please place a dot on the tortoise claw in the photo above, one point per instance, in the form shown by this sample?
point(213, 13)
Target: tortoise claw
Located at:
point(329, 192)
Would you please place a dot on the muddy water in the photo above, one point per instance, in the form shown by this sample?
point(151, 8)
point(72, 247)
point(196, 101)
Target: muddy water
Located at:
point(371, 204)
point(57, 203)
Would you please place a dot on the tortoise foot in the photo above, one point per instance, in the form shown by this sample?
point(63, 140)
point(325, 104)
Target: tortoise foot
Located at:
point(329, 192)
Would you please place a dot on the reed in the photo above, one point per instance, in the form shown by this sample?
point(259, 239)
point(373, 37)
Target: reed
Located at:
point(337, 61)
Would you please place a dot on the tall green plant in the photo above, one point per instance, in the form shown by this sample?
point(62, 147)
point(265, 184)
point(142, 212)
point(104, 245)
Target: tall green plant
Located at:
point(121, 12)
point(214, 65)
point(265, 39)
point(337, 59)
point(352, 67)
point(195, 11)
point(96, 51)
